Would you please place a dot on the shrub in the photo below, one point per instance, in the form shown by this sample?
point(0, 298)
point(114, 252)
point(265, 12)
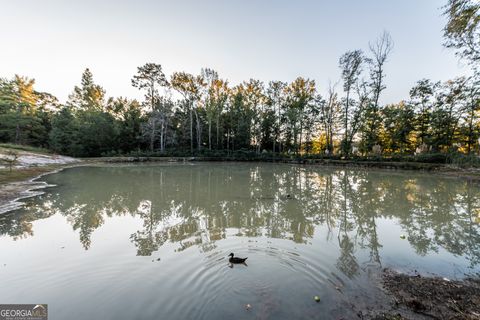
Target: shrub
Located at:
point(464, 160)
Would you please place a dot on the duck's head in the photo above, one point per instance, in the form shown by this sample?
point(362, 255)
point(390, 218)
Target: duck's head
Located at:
point(230, 255)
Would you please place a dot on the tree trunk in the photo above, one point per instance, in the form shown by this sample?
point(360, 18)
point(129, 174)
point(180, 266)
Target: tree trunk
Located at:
point(209, 135)
point(162, 143)
point(152, 135)
point(301, 133)
point(199, 130)
point(259, 146)
point(470, 130)
point(218, 129)
point(17, 134)
point(228, 140)
point(191, 131)
point(346, 145)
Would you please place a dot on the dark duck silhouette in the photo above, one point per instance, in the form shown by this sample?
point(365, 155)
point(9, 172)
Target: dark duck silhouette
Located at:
point(236, 259)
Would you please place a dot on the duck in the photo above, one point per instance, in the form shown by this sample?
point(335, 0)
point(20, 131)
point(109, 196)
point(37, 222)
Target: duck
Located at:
point(235, 259)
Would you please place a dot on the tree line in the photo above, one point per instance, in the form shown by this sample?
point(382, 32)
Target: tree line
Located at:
point(205, 114)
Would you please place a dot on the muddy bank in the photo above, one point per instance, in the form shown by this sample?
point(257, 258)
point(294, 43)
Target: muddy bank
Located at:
point(12, 193)
point(418, 297)
point(19, 170)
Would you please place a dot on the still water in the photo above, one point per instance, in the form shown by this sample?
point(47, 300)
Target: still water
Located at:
point(151, 241)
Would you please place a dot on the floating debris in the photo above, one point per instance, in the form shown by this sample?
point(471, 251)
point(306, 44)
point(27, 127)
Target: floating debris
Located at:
point(248, 306)
point(316, 298)
point(402, 236)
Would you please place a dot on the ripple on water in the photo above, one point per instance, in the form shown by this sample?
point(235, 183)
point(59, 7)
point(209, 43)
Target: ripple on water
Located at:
point(265, 281)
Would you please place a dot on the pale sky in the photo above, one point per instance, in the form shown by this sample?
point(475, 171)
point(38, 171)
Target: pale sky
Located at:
point(54, 41)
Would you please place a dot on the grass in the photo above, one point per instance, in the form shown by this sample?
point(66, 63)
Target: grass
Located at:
point(20, 147)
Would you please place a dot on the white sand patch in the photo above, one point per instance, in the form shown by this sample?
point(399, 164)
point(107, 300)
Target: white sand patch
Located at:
point(26, 159)
point(42, 160)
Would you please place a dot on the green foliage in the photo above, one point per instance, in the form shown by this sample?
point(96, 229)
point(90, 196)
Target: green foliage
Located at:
point(22, 121)
point(300, 100)
point(149, 77)
point(87, 96)
point(96, 133)
point(351, 64)
point(429, 158)
point(438, 123)
point(130, 126)
point(237, 121)
point(24, 148)
point(462, 31)
point(421, 96)
point(64, 132)
point(397, 128)
point(252, 121)
point(464, 160)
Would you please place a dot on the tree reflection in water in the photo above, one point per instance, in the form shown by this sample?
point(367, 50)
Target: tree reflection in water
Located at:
point(195, 205)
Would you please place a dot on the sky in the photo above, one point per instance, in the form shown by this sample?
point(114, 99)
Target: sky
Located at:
point(54, 41)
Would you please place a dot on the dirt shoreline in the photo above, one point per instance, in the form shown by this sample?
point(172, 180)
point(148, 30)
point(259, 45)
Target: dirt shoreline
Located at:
point(12, 193)
point(418, 297)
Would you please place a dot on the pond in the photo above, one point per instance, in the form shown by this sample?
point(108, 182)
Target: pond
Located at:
point(151, 241)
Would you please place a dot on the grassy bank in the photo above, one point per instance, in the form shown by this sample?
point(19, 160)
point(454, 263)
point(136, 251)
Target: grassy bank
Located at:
point(20, 148)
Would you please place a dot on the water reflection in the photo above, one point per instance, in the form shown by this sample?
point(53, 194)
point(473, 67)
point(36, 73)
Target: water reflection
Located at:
point(196, 206)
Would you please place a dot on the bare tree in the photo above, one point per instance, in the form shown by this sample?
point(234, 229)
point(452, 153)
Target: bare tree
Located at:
point(351, 65)
point(380, 51)
point(11, 159)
